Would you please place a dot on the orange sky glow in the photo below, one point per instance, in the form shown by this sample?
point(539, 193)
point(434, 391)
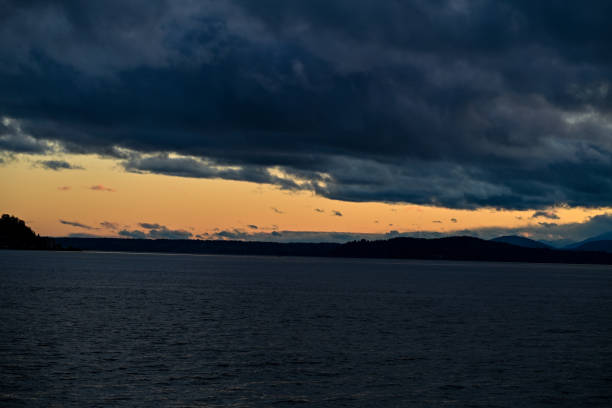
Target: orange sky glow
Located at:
point(103, 192)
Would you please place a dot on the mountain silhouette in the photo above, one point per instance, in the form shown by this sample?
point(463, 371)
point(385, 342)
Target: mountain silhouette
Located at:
point(520, 241)
point(607, 236)
point(604, 245)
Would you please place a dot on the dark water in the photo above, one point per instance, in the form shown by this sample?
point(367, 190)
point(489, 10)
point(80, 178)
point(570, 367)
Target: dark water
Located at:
point(90, 329)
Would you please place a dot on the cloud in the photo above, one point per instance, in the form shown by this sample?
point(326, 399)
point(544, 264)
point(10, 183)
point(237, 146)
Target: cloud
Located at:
point(436, 103)
point(251, 226)
point(100, 187)
point(560, 234)
point(437, 222)
point(453, 220)
point(76, 224)
point(147, 225)
point(14, 140)
point(545, 214)
point(133, 234)
point(109, 225)
point(83, 235)
point(156, 231)
point(64, 188)
point(165, 233)
point(319, 210)
point(336, 213)
point(276, 210)
point(57, 165)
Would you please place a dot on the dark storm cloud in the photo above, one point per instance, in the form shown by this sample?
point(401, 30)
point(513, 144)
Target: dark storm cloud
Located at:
point(76, 224)
point(57, 165)
point(451, 103)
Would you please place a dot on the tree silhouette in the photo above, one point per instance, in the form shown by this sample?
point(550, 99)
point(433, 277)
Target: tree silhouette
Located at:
point(15, 234)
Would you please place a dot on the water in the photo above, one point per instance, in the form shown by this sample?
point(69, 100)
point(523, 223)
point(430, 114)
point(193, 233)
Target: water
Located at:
point(94, 329)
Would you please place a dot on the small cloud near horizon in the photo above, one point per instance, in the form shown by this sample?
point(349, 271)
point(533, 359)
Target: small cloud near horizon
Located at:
point(551, 215)
point(155, 231)
point(83, 235)
point(64, 188)
point(76, 224)
point(147, 225)
point(251, 226)
point(276, 210)
point(57, 165)
point(336, 213)
point(319, 210)
point(100, 187)
point(109, 225)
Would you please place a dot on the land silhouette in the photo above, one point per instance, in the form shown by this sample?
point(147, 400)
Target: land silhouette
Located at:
point(15, 234)
point(451, 248)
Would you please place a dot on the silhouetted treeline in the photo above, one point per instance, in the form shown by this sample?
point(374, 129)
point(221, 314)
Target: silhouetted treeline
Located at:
point(453, 248)
point(15, 234)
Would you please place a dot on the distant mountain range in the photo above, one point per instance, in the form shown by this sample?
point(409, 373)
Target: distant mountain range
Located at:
point(521, 241)
point(601, 243)
point(602, 237)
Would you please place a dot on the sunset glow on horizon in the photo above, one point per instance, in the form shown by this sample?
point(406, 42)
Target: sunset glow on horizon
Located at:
point(100, 199)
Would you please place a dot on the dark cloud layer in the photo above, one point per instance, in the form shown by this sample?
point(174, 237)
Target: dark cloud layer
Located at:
point(460, 104)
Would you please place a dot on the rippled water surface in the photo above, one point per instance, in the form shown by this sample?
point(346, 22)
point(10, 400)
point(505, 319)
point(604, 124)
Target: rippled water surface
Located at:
point(107, 329)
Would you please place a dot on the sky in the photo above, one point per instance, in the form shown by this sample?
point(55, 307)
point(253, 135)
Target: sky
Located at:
point(307, 121)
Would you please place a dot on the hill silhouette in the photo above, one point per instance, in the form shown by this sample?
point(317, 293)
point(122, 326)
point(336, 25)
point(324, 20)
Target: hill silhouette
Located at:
point(602, 245)
point(15, 234)
point(520, 241)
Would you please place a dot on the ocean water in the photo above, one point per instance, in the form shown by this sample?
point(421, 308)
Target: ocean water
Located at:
point(109, 329)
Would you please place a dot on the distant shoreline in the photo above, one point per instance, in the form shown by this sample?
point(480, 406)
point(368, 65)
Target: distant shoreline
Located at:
point(441, 249)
